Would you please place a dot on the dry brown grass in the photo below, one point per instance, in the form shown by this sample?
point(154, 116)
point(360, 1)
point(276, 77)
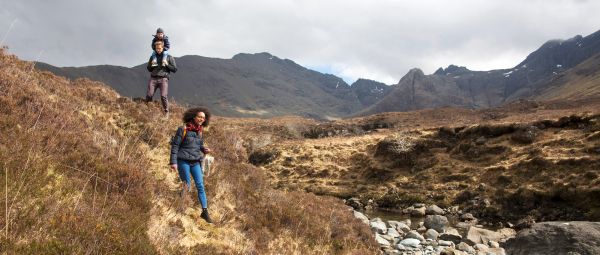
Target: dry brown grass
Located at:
point(526, 158)
point(85, 172)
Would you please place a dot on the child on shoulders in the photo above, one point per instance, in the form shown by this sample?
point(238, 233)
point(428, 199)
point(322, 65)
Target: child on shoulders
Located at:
point(160, 36)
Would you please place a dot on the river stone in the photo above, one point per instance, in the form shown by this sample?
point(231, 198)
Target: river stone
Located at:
point(410, 242)
point(481, 247)
point(462, 246)
point(452, 251)
point(452, 235)
point(494, 244)
point(467, 217)
point(557, 237)
point(400, 247)
point(418, 205)
point(497, 251)
point(388, 237)
point(479, 235)
point(437, 222)
point(418, 212)
point(415, 235)
point(381, 241)
point(445, 243)
point(434, 210)
point(466, 225)
point(361, 217)
point(355, 203)
point(378, 226)
point(390, 251)
point(431, 234)
point(507, 233)
point(393, 232)
point(399, 226)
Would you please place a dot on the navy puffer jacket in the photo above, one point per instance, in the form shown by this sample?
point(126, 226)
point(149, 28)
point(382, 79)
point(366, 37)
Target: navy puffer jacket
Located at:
point(191, 149)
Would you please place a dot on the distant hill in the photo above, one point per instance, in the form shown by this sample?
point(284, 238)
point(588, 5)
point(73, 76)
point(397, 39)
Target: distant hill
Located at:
point(532, 78)
point(263, 85)
point(246, 85)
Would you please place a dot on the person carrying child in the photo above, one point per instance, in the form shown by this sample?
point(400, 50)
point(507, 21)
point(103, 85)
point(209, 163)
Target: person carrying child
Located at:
point(160, 36)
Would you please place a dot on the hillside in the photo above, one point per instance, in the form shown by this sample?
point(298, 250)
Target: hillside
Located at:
point(85, 171)
point(582, 81)
point(258, 85)
point(525, 160)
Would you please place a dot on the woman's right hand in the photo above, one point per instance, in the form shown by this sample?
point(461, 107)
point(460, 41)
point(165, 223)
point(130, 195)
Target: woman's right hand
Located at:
point(174, 167)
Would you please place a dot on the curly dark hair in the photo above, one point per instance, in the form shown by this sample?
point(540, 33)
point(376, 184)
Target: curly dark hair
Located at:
point(190, 114)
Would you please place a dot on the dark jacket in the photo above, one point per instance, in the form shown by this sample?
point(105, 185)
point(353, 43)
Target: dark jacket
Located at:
point(191, 149)
point(165, 41)
point(160, 71)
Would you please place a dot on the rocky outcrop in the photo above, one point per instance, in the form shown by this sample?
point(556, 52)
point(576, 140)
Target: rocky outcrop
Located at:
point(575, 237)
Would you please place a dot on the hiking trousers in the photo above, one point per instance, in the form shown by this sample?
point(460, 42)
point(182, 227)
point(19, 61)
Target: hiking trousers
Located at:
point(187, 168)
point(162, 84)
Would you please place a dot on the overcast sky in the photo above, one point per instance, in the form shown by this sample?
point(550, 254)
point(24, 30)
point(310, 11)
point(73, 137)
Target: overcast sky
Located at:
point(374, 39)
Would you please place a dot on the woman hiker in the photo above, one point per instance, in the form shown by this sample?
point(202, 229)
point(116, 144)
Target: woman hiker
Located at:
point(187, 152)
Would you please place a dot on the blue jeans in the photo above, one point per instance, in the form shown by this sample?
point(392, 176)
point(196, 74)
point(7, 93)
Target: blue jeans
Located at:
point(185, 168)
point(165, 55)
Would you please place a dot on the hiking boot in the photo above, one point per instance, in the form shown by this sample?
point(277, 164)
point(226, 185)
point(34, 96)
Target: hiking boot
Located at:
point(204, 215)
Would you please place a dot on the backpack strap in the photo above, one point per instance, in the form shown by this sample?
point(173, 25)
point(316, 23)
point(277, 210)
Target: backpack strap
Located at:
point(184, 132)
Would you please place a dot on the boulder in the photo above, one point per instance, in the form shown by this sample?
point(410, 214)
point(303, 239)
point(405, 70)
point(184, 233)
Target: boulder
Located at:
point(401, 226)
point(465, 247)
point(493, 244)
point(431, 234)
point(355, 203)
point(410, 242)
point(507, 233)
point(445, 243)
point(361, 217)
point(467, 217)
point(437, 222)
point(452, 251)
point(391, 251)
point(418, 212)
point(574, 237)
point(415, 235)
point(393, 232)
point(452, 235)
point(479, 235)
point(465, 225)
point(382, 241)
point(378, 226)
point(481, 247)
point(496, 251)
point(434, 210)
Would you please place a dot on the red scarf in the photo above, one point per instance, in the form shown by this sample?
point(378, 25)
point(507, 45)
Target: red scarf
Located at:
point(193, 127)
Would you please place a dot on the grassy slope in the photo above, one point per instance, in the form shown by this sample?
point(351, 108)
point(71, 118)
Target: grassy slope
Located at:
point(551, 177)
point(85, 172)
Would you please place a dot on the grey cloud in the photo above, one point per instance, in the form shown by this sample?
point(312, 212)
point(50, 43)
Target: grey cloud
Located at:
point(379, 40)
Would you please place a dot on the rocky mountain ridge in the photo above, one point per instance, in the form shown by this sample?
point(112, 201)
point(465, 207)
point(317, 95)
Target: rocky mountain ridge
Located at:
point(457, 86)
point(263, 85)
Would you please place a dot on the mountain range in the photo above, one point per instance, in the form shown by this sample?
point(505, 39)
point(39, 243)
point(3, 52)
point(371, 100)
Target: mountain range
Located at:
point(264, 85)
